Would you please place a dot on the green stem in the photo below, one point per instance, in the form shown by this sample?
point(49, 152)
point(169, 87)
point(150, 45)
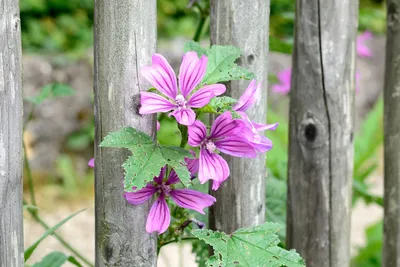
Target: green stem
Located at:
point(184, 135)
point(26, 163)
point(204, 13)
point(38, 219)
point(30, 178)
point(185, 238)
point(199, 29)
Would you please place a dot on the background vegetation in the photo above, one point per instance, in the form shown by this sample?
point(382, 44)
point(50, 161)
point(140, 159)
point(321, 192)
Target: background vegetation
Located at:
point(53, 27)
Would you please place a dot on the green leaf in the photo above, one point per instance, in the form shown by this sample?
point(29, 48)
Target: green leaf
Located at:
point(371, 254)
point(28, 252)
point(51, 90)
point(56, 259)
point(277, 45)
point(221, 65)
point(219, 105)
point(147, 158)
point(276, 194)
point(366, 158)
point(30, 207)
point(194, 46)
point(255, 246)
point(74, 261)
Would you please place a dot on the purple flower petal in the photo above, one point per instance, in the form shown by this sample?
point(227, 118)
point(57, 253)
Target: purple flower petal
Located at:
point(251, 133)
point(284, 78)
point(158, 126)
point(153, 103)
point(184, 116)
point(192, 164)
point(362, 49)
point(261, 143)
point(224, 126)
point(216, 185)
point(161, 75)
point(197, 133)
point(192, 199)
point(261, 127)
point(249, 97)
point(91, 163)
point(236, 146)
point(141, 196)
point(203, 96)
point(217, 89)
point(281, 89)
point(191, 72)
point(159, 217)
point(172, 178)
point(159, 179)
point(212, 166)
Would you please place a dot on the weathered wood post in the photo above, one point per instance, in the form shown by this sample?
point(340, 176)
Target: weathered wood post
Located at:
point(125, 39)
point(391, 247)
point(11, 119)
point(321, 132)
point(244, 24)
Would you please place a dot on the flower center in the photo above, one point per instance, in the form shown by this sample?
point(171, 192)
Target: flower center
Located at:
point(165, 189)
point(180, 101)
point(210, 146)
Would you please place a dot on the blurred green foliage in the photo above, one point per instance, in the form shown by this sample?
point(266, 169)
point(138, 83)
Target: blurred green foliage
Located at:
point(55, 26)
point(370, 255)
point(59, 26)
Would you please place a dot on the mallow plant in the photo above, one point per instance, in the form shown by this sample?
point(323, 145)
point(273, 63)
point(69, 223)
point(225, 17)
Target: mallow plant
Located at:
point(165, 174)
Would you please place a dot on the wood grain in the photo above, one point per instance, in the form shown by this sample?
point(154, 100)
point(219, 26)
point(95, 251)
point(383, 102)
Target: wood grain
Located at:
point(244, 24)
point(321, 132)
point(391, 244)
point(11, 119)
point(125, 39)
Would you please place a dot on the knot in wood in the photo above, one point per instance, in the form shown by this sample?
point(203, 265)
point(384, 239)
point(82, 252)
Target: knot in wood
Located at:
point(135, 104)
point(311, 133)
point(112, 248)
point(250, 59)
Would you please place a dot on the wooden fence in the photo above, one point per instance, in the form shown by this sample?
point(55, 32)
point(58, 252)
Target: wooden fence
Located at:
point(321, 128)
point(321, 132)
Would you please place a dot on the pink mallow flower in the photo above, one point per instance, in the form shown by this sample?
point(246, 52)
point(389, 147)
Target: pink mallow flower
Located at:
point(180, 100)
point(362, 49)
point(224, 137)
point(285, 76)
point(253, 129)
point(159, 216)
point(283, 87)
point(91, 163)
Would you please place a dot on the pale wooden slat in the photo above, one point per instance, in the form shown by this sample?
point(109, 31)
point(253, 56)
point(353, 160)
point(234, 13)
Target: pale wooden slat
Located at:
point(321, 132)
point(125, 39)
point(244, 24)
point(11, 119)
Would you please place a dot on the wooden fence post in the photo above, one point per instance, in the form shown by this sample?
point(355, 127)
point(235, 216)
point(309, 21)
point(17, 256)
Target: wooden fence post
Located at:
point(125, 39)
point(321, 132)
point(391, 247)
point(244, 24)
point(11, 119)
